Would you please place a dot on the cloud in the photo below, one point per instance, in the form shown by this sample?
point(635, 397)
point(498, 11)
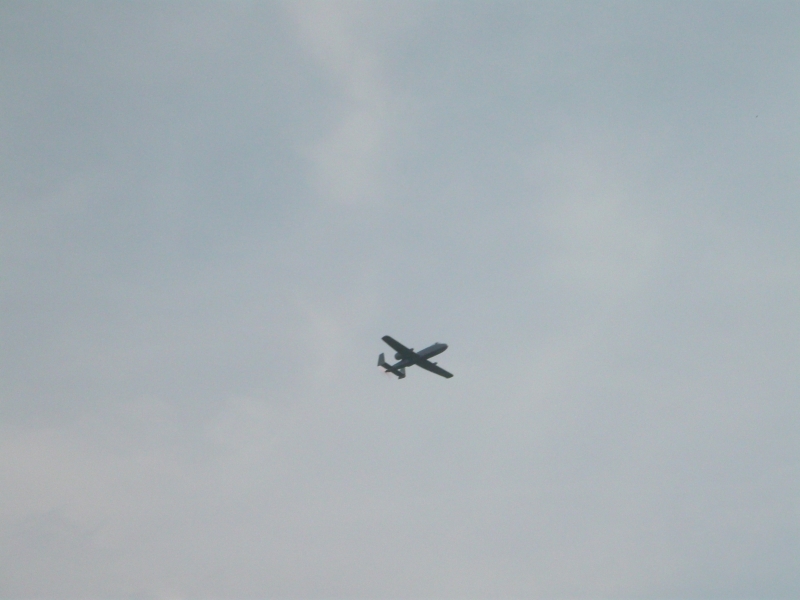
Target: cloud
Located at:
point(594, 213)
point(350, 159)
point(213, 213)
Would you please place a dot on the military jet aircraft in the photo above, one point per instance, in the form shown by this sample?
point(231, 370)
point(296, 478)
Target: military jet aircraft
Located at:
point(408, 357)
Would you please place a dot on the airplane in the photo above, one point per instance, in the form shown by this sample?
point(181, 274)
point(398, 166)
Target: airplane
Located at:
point(408, 357)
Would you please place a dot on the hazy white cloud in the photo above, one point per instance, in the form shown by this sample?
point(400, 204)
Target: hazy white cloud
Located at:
point(594, 213)
point(350, 160)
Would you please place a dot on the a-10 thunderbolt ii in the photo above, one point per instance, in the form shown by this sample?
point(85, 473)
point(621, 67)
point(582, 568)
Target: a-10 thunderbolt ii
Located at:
point(408, 357)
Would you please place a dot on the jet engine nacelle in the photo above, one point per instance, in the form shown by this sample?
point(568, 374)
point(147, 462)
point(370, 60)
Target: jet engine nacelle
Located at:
point(397, 356)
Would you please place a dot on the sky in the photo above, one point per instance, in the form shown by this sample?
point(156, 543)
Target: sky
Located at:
point(210, 213)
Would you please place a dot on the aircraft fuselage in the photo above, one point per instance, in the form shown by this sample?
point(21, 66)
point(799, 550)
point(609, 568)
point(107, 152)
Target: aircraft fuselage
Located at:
point(428, 352)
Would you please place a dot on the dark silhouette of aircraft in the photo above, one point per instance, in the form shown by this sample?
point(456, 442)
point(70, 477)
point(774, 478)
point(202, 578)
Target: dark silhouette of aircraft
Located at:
point(408, 357)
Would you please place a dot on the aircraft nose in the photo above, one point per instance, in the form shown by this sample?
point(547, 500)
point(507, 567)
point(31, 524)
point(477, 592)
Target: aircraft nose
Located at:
point(444, 346)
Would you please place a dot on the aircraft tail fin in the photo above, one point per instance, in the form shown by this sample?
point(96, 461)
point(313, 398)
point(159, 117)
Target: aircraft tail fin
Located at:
point(401, 372)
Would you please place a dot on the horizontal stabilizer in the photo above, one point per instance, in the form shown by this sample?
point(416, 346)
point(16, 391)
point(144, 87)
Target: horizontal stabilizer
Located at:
point(401, 372)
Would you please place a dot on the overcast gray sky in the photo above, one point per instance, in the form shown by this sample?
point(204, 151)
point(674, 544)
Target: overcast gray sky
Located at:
point(210, 213)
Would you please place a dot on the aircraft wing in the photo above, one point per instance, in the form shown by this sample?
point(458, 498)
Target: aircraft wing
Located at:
point(432, 367)
point(399, 348)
